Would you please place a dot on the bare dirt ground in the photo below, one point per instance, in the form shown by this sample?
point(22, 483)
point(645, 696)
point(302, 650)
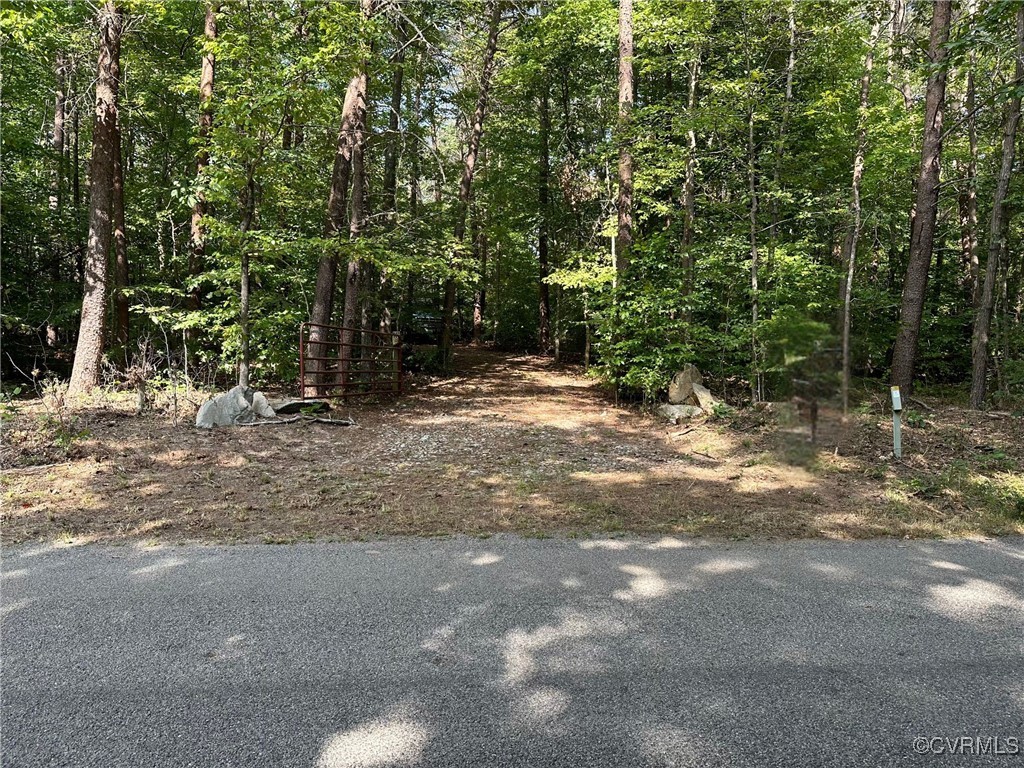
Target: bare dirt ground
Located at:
point(513, 443)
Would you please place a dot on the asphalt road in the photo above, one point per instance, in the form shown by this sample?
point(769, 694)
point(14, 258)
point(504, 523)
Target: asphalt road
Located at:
point(512, 652)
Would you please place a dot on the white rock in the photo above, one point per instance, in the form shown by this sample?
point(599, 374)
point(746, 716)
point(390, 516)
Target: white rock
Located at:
point(677, 413)
point(240, 405)
point(704, 397)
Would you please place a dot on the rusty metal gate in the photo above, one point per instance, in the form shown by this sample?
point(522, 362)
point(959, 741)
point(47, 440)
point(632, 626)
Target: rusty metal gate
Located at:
point(335, 361)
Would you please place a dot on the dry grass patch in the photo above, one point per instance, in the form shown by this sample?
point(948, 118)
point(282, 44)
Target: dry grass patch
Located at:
point(511, 444)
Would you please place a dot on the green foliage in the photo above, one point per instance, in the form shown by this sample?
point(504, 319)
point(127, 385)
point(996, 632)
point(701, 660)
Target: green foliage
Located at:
point(688, 297)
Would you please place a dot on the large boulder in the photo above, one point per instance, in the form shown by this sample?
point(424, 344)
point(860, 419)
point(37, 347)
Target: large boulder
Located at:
point(240, 405)
point(678, 413)
point(681, 388)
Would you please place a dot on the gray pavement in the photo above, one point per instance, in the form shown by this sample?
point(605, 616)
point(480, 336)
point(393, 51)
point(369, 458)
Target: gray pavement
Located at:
point(513, 652)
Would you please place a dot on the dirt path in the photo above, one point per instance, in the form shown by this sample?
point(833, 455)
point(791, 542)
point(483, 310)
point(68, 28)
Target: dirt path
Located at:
point(511, 443)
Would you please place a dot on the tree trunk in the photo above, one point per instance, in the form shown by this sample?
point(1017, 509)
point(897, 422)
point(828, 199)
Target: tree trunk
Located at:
point(755, 377)
point(543, 194)
point(624, 236)
point(690, 182)
point(969, 195)
point(898, 30)
point(336, 222)
point(76, 185)
point(466, 184)
point(85, 374)
point(206, 82)
point(392, 146)
point(780, 143)
point(357, 221)
point(922, 236)
point(248, 213)
point(996, 232)
point(120, 249)
point(58, 173)
point(853, 228)
point(480, 295)
point(288, 124)
point(58, 140)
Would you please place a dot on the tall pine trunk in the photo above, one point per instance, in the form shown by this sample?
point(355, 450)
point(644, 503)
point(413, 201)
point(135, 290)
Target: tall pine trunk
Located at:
point(336, 224)
point(85, 374)
point(357, 221)
point(922, 235)
point(996, 232)
point(466, 183)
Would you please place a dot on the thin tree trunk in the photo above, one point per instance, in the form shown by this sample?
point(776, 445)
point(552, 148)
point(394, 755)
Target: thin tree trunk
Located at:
point(854, 226)
point(780, 143)
point(58, 140)
point(690, 182)
point(480, 257)
point(624, 236)
point(755, 377)
point(248, 213)
point(57, 180)
point(206, 82)
point(969, 195)
point(288, 124)
point(996, 232)
point(466, 184)
point(393, 143)
point(76, 184)
point(121, 271)
point(897, 32)
point(294, 130)
point(922, 235)
point(85, 374)
point(543, 194)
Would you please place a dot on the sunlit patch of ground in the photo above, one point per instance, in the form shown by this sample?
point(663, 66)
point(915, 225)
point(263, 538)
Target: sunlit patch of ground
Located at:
point(511, 444)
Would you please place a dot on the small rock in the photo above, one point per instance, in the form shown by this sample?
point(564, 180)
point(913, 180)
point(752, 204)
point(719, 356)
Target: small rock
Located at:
point(681, 388)
point(677, 413)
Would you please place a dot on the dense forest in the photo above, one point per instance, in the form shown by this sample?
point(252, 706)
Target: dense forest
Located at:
point(775, 191)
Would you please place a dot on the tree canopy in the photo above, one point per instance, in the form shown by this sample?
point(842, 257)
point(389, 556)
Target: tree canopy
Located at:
point(743, 123)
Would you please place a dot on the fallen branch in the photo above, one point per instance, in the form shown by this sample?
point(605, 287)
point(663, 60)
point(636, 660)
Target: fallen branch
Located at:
point(300, 417)
point(921, 404)
point(269, 422)
point(336, 422)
